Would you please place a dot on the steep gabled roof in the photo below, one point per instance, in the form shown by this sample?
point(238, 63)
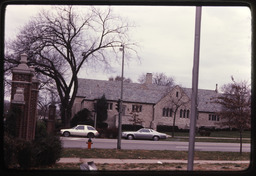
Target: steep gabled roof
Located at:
point(133, 92)
point(205, 99)
point(139, 93)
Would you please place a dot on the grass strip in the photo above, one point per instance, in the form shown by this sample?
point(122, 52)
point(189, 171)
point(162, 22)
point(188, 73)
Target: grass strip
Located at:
point(235, 140)
point(152, 154)
point(150, 167)
point(221, 134)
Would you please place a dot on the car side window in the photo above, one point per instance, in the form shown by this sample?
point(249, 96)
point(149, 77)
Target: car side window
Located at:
point(144, 130)
point(90, 128)
point(80, 128)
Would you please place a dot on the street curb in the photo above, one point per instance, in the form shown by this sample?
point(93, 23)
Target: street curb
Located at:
point(145, 161)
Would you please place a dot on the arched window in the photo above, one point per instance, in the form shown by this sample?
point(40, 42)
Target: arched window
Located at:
point(184, 113)
point(163, 112)
point(170, 113)
point(181, 112)
point(167, 112)
point(187, 113)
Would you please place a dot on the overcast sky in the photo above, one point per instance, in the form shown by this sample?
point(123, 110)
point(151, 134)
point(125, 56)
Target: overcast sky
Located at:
point(166, 40)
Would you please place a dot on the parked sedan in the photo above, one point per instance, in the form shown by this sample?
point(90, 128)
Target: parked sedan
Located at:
point(80, 130)
point(144, 133)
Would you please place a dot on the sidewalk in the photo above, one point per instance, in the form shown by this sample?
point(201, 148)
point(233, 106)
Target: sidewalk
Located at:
point(148, 161)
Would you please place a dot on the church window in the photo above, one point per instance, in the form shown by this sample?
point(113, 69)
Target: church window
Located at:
point(170, 113)
point(136, 108)
point(181, 112)
point(163, 112)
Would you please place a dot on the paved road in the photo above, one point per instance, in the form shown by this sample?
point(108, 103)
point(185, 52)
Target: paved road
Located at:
point(75, 142)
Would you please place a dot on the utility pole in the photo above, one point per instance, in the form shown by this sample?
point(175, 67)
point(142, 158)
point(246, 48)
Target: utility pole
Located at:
point(192, 131)
point(121, 103)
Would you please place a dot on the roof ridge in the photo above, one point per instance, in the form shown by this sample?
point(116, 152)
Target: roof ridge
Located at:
point(137, 92)
point(135, 83)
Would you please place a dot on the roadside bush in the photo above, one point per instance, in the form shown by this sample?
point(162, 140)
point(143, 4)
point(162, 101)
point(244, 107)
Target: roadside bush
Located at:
point(10, 122)
point(58, 125)
point(166, 128)
point(102, 125)
point(17, 151)
point(112, 133)
point(24, 154)
point(41, 130)
point(9, 150)
point(43, 151)
point(47, 150)
point(82, 117)
point(108, 132)
point(204, 133)
point(130, 127)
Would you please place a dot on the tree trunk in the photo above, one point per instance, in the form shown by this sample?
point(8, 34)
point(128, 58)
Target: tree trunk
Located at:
point(241, 142)
point(173, 124)
point(66, 115)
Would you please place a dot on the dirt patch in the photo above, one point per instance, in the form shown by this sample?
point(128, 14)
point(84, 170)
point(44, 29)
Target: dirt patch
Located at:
point(172, 167)
point(150, 167)
point(152, 154)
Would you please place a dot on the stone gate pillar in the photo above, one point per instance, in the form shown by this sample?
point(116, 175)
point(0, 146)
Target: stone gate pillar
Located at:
point(19, 103)
point(51, 119)
point(25, 85)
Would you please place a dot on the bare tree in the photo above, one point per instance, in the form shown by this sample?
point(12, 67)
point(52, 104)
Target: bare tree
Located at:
point(159, 79)
point(177, 100)
point(236, 106)
point(61, 41)
point(135, 118)
point(119, 78)
point(162, 80)
point(48, 95)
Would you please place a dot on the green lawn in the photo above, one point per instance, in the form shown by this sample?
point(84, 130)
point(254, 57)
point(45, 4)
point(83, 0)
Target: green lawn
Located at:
point(151, 154)
point(216, 136)
point(150, 167)
point(223, 134)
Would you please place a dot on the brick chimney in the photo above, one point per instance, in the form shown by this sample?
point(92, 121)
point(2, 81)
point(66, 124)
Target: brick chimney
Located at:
point(148, 78)
point(216, 89)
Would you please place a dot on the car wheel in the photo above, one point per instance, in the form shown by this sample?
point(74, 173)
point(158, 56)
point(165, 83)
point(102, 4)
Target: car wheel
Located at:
point(155, 138)
point(90, 135)
point(130, 137)
point(66, 134)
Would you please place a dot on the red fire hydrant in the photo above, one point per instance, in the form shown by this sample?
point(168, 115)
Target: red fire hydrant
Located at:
point(89, 143)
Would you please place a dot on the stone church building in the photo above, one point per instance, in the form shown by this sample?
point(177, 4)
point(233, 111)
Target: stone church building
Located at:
point(155, 105)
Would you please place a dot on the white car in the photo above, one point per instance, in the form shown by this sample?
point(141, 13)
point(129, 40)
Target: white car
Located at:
point(144, 133)
point(80, 130)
